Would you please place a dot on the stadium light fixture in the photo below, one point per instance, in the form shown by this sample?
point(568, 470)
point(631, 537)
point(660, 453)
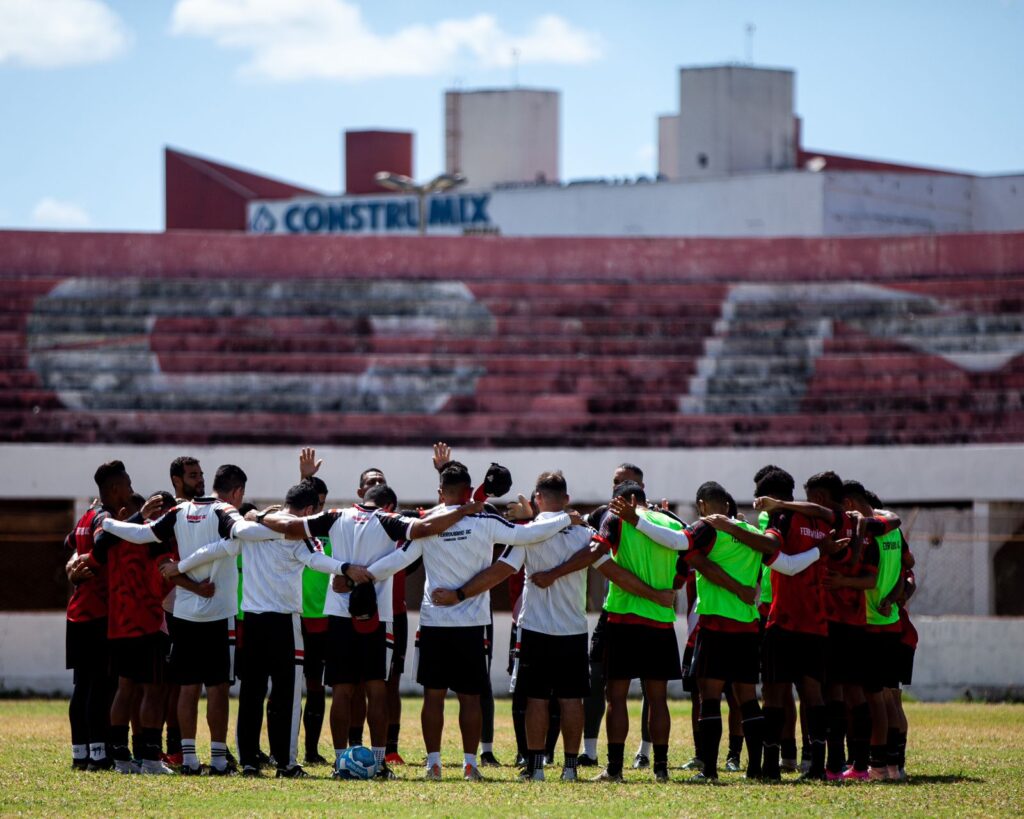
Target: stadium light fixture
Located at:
point(439, 184)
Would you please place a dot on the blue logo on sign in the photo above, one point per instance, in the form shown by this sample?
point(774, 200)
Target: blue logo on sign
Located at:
point(263, 221)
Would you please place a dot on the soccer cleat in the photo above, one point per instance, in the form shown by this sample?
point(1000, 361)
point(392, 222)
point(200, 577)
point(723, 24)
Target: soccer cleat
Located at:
point(174, 760)
point(606, 776)
point(732, 764)
point(569, 775)
point(263, 760)
point(694, 764)
point(433, 773)
point(661, 773)
point(789, 766)
point(394, 759)
point(880, 774)
point(894, 772)
point(834, 776)
point(812, 776)
point(227, 770)
point(526, 775)
point(102, 764)
point(315, 759)
point(156, 766)
point(520, 761)
point(294, 772)
point(584, 761)
point(384, 772)
point(901, 774)
point(189, 770)
point(804, 766)
point(251, 772)
point(80, 764)
point(488, 760)
point(641, 761)
point(471, 773)
point(701, 779)
point(127, 766)
point(853, 775)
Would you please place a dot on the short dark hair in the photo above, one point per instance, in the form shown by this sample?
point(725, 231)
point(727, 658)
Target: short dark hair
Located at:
point(632, 468)
point(855, 490)
point(364, 473)
point(167, 498)
point(245, 508)
point(105, 473)
point(776, 483)
point(764, 470)
point(317, 484)
point(229, 478)
point(455, 474)
point(301, 495)
point(714, 492)
point(828, 482)
point(552, 485)
point(137, 501)
point(178, 465)
point(381, 495)
point(453, 465)
point(630, 489)
point(873, 499)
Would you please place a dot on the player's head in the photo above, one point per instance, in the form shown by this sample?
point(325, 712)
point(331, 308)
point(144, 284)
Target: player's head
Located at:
point(167, 502)
point(114, 485)
point(382, 496)
point(628, 472)
point(229, 484)
point(631, 490)
point(873, 499)
point(855, 498)
point(302, 499)
point(456, 485)
point(713, 499)
point(367, 478)
point(551, 493)
point(773, 482)
point(321, 492)
point(245, 508)
point(187, 478)
point(135, 504)
point(825, 488)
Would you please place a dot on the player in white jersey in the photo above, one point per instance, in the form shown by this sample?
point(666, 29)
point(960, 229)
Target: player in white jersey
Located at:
point(359, 642)
point(200, 653)
point(452, 653)
point(272, 601)
point(553, 656)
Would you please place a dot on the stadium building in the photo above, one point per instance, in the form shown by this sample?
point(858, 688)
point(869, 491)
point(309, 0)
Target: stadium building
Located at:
point(757, 301)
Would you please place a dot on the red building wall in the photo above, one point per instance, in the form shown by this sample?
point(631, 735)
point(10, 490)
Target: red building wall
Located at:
point(367, 152)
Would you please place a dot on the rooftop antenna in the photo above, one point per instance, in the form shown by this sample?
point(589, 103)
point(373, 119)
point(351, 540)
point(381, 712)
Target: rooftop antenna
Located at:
point(515, 67)
point(750, 28)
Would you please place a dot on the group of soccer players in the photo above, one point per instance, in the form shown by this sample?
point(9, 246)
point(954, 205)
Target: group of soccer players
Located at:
point(184, 591)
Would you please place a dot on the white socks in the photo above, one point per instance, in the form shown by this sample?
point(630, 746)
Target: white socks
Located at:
point(219, 755)
point(590, 747)
point(188, 753)
point(433, 758)
point(469, 759)
point(486, 747)
point(79, 751)
point(644, 749)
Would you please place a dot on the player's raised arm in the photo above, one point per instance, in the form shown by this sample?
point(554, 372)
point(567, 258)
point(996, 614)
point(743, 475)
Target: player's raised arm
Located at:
point(625, 509)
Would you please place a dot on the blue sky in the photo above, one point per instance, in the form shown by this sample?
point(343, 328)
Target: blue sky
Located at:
point(88, 106)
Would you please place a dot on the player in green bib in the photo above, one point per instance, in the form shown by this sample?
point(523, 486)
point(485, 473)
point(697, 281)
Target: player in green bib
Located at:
point(727, 555)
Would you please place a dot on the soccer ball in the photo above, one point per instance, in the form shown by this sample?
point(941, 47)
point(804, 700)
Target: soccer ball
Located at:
point(356, 763)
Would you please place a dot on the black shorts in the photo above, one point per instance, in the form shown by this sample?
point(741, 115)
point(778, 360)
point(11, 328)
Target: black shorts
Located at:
point(905, 663)
point(847, 657)
point(400, 629)
point(689, 671)
point(353, 657)
point(453, 658)
point(140, 659)
point(641, 652)
point(314, 652)
point(200, 652)
point(597, 639)
point(85, 646)
point(552, 666)
point(789, 656)
point(266, 643)
point(726, 655)
point(882, 651)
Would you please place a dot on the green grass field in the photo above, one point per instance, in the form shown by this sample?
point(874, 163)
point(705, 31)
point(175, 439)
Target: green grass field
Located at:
point(962, 759)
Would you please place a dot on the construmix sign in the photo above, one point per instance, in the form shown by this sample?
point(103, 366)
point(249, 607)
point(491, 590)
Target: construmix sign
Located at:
point(450, 213)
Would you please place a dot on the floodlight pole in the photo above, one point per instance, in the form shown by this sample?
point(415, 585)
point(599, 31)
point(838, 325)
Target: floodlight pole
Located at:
point(399, 182)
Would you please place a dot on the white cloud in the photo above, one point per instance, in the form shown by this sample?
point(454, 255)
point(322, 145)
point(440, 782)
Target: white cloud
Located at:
point(53, 213)
point(57, 33)
point(647, 152)
point(328, 39)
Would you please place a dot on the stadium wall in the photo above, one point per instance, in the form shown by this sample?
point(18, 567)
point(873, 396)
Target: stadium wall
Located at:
point(976, 657)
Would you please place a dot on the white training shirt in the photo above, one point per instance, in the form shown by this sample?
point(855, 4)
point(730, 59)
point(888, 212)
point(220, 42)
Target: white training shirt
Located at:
point(194, 524)
point(452, 558)
point(271, 570)
point(561, 608)
point(360, 535)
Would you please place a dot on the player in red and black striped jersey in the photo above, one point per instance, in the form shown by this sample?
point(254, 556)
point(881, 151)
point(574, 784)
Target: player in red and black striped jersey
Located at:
point(87, 650)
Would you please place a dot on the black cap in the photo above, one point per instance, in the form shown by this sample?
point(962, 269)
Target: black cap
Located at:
point(497, 482)
point(362, 607)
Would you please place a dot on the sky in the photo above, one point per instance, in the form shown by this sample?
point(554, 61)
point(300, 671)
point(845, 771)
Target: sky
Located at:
point(91, 91)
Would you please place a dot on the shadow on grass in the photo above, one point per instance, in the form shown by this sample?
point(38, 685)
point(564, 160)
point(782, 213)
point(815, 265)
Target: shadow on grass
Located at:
point(940, 779)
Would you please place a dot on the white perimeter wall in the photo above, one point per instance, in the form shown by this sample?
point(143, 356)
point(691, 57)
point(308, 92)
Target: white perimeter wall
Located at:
point(956, 655)
point(879, 203)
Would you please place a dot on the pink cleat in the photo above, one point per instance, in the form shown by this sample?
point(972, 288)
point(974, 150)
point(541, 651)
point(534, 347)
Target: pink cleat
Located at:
point(851, 775)
point(834, 776)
